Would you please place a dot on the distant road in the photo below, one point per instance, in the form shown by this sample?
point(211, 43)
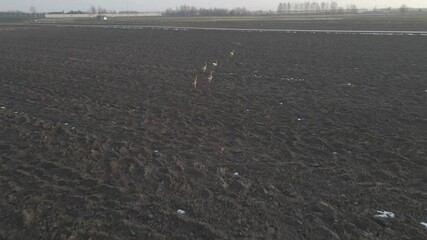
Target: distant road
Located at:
point(373, 32)
point(136, 27)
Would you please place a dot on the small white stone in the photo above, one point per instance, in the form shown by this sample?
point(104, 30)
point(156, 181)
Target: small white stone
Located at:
point(16, 112)
point(335, 153)
point(299, 119)
point(5, 108)
point(156, 151)
point(66, 124)
point(73, 128)
point(349, 84)
point(281, 103)
point(424, 224)
point(180, 212)
point(384, 214)
point(236, 174)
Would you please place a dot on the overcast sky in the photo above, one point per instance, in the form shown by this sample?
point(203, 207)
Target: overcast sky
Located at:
point(159, 5)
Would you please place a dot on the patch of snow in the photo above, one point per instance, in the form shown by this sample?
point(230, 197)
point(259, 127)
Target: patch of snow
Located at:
point(384, 214)
point(180, 212)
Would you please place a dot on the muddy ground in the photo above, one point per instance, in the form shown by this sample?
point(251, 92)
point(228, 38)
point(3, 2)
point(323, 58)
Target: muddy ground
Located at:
point(103, 137)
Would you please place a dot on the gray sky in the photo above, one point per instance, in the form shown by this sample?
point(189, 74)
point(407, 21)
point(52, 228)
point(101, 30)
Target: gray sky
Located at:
point(158, 5)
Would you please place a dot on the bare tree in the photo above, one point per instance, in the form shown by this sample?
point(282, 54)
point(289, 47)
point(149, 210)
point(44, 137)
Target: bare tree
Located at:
point(92, 10)
point(403, 9)
point(334, 7)
point(352, 8)
point(281, 8)
point(310, 7)
point(102, 10)
point(33, 11)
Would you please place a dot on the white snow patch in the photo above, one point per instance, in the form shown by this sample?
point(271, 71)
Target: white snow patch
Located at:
point(384, 214)
point(180, 212)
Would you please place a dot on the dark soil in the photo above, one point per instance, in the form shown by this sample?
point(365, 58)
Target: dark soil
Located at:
point(102, 135)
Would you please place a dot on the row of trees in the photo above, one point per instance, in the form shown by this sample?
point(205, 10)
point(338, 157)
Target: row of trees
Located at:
point(325, 7)
point(100, 10)
point(283, 8)
point(314, 7)
point(92, 10)
point(186, 11)
point(403, 9)
point(20, 14)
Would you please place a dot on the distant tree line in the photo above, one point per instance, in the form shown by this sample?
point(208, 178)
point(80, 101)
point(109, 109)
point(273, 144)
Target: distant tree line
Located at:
point(128, 12)
point(92, 10)
point(75, 12)
point(21, 14)
point(403, 10)
point(314, 8)
point(187, 11)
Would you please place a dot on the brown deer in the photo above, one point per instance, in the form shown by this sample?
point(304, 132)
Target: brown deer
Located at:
point(210, 77)
point(194, 81)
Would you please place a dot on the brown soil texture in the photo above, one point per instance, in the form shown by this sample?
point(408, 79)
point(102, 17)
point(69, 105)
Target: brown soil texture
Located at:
point(103, 137)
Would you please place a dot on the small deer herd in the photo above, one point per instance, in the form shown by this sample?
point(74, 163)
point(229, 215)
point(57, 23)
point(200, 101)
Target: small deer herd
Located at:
point(209, 69)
